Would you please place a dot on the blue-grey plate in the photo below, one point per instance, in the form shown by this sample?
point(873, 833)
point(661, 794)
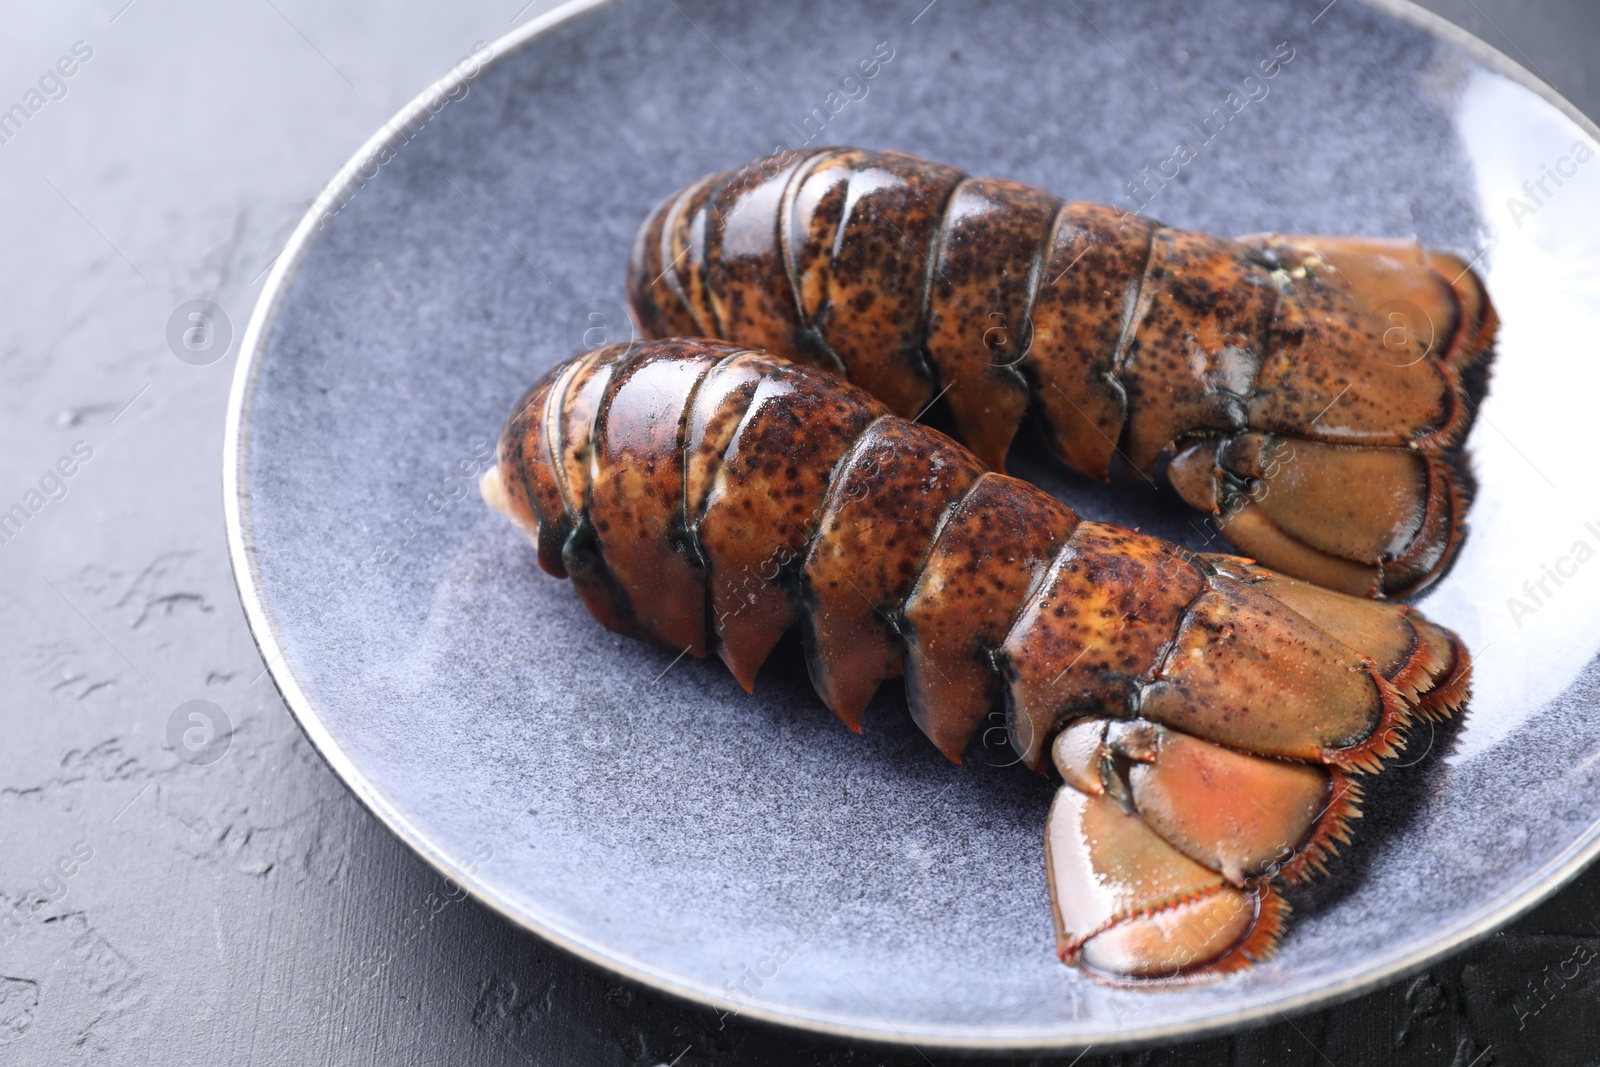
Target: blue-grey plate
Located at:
point(748, 851)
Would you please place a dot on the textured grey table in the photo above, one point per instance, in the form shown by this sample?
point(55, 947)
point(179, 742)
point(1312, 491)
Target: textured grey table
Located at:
point(246, 909)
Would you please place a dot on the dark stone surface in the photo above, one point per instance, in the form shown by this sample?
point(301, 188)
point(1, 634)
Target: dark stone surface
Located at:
point(248, 910)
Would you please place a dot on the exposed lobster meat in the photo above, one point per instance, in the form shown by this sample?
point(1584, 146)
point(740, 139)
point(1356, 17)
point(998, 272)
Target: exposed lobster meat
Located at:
point(1208, 718)
point(1313, 393)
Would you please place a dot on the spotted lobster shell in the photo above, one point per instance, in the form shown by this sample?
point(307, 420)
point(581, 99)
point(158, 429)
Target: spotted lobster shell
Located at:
point(1209, 719)
point(1312, 393)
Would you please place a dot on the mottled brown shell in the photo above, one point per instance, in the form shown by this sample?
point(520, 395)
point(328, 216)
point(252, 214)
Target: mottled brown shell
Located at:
point(1204, 714)
point(1312, 393)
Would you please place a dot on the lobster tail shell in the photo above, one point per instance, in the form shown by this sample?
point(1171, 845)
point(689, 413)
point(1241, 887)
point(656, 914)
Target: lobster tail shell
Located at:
point(1352, 361)
point(1206, 715)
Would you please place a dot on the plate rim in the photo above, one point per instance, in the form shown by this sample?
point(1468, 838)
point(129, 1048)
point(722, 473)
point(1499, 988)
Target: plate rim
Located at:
point(1541, 884)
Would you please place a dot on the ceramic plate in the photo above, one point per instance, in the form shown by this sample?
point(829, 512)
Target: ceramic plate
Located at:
point(749, 852)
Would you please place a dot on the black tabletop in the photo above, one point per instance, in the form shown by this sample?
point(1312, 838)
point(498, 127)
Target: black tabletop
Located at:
point(241, 907)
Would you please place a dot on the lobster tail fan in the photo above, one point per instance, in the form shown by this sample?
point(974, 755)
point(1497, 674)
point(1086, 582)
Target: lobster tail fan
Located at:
point(1131, 908)
point(1369, 521)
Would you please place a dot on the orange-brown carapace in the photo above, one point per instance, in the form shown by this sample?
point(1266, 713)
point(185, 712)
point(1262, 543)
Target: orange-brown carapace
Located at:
point(1312, 393)
point(1209, 719)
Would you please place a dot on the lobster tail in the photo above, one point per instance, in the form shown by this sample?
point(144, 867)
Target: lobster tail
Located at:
point(1274, 373)
point(1206, 716)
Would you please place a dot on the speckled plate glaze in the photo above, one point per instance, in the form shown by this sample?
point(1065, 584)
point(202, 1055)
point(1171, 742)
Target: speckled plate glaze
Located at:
point(748, 851)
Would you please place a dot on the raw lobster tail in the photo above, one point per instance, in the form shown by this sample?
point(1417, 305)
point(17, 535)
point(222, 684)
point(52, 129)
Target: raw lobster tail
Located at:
point(1312, 393)
point(1207, 716)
